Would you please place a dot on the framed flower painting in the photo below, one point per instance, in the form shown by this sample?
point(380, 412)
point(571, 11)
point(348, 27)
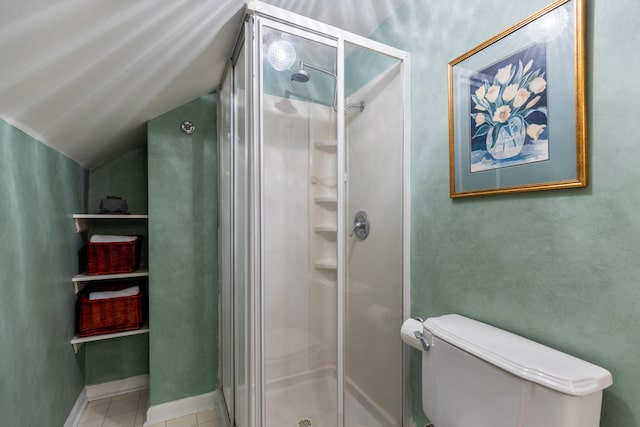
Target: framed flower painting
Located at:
point(517, 117)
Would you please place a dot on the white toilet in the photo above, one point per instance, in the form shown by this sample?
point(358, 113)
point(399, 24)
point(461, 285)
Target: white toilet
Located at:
point(475, 375)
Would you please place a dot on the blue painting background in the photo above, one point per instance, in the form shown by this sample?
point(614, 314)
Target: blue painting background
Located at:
point(532, 151)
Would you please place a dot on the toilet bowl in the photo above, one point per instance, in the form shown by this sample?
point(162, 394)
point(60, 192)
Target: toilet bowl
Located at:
point(474, 374)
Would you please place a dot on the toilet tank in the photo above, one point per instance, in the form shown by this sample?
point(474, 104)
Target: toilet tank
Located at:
point(474, 374)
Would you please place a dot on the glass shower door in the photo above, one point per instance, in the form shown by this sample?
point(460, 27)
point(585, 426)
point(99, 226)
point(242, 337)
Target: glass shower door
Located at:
point(299, 228)
point(373, 354)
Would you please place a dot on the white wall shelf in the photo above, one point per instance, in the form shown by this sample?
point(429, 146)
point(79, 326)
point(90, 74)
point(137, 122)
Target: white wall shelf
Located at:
point(77, 341)
point(79, 280)
point(82, 221)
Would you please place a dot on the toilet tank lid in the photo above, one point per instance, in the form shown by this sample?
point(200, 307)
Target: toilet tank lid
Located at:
point(520, 356)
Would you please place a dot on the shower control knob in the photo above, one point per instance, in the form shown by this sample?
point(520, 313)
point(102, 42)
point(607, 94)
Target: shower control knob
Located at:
point(360, 225)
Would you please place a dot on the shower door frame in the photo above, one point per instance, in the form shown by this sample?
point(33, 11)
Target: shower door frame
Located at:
point(258, 15)
point(260, 22)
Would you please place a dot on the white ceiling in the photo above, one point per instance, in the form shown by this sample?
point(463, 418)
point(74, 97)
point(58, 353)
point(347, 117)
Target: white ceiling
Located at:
point(83, 76)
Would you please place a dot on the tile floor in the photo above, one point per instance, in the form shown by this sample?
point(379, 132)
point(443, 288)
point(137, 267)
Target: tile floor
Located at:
point(128, 410)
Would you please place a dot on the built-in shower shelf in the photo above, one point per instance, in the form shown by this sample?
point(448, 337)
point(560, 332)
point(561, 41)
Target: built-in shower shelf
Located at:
point(326, 265)
point(325, 228)
point(327, 180)
point(325, 284)
point(326, 144)
point(326, 199)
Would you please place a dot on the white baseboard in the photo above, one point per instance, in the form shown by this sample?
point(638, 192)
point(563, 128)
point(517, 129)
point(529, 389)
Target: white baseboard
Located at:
point(156, 414)
point(113, 388)
point(78, 409)
point(179, 408)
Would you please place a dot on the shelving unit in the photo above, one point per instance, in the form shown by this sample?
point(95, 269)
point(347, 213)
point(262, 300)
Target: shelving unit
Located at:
point(83, 223)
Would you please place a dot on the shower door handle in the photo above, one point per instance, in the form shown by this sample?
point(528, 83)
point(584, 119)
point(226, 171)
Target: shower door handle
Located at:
point(361, 225)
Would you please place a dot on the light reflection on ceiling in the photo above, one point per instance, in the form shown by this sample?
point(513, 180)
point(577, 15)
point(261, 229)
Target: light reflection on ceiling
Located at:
point(85, 76)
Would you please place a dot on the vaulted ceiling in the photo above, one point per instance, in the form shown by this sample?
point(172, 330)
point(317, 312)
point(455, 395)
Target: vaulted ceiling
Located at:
point(83, 76)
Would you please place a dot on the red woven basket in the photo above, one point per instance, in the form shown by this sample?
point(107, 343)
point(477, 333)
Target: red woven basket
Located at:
point(116, 257)
point(105, 316)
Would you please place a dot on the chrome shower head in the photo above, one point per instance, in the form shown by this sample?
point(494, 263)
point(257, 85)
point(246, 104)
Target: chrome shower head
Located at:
point(300, 75)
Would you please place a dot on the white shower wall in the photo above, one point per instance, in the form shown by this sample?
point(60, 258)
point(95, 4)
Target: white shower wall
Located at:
point(286, 238)
point(299, 205)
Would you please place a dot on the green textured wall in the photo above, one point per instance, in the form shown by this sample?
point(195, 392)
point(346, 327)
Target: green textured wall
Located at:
point(41, 377)
point(116, 359)
point(125, 176)
point(183, 194)
point(559, 267)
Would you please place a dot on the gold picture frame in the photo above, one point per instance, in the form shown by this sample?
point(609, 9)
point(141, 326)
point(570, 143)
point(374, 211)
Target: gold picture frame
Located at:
point(517, 107)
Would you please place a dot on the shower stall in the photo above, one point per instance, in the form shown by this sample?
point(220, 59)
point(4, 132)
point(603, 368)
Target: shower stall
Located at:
point(314, 226)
